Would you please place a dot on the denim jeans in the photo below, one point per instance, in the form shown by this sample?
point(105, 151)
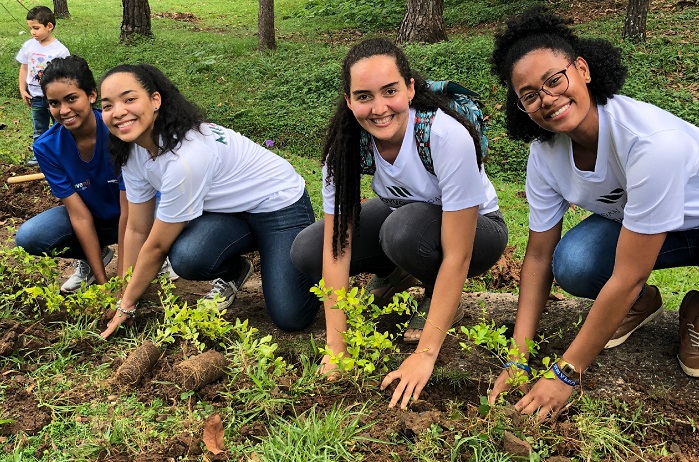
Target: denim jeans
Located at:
point(41, 116)
point(408, 237)
point(583, 260)
point(51, 231)
point(211, 246)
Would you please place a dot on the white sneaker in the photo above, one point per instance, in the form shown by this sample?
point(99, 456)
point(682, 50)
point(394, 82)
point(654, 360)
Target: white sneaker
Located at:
point(167, 271)
point(83, 274)
point(227, 290)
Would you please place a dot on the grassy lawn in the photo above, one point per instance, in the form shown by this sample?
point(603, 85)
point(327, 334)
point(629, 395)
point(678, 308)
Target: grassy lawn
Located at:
point(287, 95)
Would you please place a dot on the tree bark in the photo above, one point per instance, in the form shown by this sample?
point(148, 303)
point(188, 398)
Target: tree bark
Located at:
point(635, 23)
point(423, 22)
point(265, 26)
point(135, 20)
point(60, 9)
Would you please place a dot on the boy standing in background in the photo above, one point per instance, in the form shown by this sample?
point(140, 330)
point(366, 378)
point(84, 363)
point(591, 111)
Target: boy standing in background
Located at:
point(34, 55)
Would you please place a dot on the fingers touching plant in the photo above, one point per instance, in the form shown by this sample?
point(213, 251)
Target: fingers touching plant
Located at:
point(367, 348)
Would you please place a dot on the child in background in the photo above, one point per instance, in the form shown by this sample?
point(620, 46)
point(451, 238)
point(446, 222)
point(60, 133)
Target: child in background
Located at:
point(34, 56)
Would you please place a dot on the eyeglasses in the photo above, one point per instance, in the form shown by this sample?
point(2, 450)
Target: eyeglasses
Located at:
point(555, 85)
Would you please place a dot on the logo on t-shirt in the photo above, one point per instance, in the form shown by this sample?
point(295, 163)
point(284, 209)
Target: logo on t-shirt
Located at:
point(612, 197)
point(220, 134)
point(83, 185)
point(399, 191)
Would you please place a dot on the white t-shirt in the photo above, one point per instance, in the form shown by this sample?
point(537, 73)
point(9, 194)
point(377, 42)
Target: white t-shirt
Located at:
point(218, 170)
point(37, 56)
point(457, 182)
point(645, 175)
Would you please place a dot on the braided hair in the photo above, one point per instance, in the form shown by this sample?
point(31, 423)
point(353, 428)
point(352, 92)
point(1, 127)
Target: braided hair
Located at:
point(176, 115)
point(537, 29)
point(341, 151)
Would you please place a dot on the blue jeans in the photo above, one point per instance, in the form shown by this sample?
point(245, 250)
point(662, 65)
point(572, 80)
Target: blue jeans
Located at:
point(51, 231)
point(211, 246)
point(409, 237)
point(41, 116)
point(583, 260)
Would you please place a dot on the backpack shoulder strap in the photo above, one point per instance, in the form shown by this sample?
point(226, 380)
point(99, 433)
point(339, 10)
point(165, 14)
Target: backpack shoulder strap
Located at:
point(463, 101)
point(423, 125)
point(366, 155)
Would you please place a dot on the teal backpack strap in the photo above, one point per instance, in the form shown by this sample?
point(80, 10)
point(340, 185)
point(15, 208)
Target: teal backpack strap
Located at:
point(423, 124)
point(366, 155)
point(463, 101)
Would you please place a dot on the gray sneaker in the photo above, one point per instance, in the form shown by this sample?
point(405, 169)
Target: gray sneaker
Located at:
point(227, 290)
point(167, 271)
point(83, 273)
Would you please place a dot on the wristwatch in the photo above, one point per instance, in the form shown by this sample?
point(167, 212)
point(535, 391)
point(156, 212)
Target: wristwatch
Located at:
point(568, 369)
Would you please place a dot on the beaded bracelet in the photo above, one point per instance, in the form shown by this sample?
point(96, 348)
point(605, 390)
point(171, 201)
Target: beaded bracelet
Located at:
point(525, 367)
point(127, 313)
point(564, 378)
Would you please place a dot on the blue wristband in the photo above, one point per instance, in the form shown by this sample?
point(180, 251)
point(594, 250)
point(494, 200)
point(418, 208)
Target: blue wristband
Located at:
point(564, 378)
point(523, 366)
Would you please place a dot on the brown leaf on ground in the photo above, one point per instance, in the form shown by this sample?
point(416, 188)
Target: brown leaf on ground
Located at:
point(213, 434)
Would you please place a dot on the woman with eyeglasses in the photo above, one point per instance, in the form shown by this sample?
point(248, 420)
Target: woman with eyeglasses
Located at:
point(632, 164)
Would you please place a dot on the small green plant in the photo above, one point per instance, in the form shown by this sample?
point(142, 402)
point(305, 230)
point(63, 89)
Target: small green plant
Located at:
point(487, 335)
point(251, 351)
point(191, 324)
point(367, 348)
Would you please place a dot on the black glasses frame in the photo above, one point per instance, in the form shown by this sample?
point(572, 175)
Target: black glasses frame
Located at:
point(520, 101)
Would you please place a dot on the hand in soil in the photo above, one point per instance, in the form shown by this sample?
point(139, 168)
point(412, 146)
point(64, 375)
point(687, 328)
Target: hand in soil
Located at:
point(501, 386)
point(114, 322)
point(328, 369)
point(547, 397)
point(412, 335)
point(413, 375)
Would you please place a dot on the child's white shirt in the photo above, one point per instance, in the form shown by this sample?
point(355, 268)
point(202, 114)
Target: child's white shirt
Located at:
point(37, 56)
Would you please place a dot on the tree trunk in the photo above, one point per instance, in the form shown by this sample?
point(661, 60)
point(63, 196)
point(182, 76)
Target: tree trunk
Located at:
point(60, 9)
point(265, 26)
point(635, 24)
point(136, 19)
point(423, 22)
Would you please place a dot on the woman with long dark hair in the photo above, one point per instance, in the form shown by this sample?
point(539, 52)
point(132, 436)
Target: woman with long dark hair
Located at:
point(222, 196)
point(438, 228)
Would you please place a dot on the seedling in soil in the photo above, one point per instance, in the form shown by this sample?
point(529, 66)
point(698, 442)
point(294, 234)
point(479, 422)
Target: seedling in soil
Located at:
point(367, 348)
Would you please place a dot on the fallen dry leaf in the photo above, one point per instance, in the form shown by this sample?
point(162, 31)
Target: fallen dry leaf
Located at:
point(213, 434)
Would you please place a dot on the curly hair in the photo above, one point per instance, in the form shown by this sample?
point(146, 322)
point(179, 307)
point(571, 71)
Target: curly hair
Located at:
point(537, 29)
point(176, 115)
point(341, 153)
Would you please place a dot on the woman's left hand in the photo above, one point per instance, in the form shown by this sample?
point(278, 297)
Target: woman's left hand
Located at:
point(413, 374)
point(547, 398)
point(116, 318)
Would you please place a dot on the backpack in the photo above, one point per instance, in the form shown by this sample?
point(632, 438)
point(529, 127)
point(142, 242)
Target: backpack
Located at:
point(462, 100)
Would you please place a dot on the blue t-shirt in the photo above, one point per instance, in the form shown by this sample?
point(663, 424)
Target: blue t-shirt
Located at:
point(96, 182)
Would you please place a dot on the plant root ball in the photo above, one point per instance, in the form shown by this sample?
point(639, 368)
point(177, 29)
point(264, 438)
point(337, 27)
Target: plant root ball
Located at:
point(201, 370)
point(139, 361)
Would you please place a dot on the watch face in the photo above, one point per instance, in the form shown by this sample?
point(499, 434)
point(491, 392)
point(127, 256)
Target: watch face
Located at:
point(568, 370)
